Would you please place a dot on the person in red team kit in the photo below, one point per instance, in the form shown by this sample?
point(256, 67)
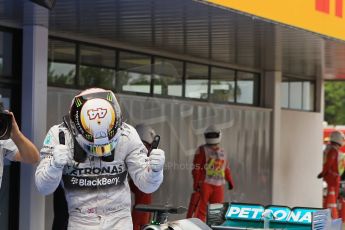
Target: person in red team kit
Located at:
point(330, 172)
point(210, 172)
point(139, 218)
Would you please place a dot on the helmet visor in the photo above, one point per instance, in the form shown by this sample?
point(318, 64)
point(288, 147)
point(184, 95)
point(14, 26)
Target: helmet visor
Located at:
point(212, 135)
point(107, 95)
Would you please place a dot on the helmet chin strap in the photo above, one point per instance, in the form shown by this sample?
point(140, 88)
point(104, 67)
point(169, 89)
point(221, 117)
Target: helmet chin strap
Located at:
point(79, 154)
point(110, 157)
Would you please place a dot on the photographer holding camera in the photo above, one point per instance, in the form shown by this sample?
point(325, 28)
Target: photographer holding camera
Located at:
point(13, 144)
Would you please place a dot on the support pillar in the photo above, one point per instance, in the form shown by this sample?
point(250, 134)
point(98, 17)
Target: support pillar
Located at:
point(273, 100)
point(272, 63)
point(34, 109)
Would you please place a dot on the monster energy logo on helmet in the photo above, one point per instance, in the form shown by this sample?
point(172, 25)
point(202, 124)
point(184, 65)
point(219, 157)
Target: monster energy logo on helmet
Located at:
point(109, 97)
point(78, 102)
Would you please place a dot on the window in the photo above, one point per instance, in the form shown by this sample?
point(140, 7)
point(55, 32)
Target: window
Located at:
point(135, 73)
point(285, 94)
point(297, 94)
point(6, 54)
point(167, 77)
point(82, 65)
point(308, 95)
point(61, 63)
point(222, 85)
point(97, 67)
point(196, 81)
point(247, 91)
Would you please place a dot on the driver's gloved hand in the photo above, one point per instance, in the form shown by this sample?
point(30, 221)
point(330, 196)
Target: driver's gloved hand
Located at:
point(60, 156)
point(156, 160)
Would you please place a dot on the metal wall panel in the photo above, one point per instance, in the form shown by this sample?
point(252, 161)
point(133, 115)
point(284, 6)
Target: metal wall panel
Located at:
point(245, 132)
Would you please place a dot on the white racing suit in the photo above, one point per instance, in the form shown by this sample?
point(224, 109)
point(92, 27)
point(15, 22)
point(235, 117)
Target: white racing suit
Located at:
point(97, 192)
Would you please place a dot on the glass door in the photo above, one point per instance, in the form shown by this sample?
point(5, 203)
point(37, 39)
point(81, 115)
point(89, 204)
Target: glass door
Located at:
point(10, 96)
point(5, 99)
point(9, 171)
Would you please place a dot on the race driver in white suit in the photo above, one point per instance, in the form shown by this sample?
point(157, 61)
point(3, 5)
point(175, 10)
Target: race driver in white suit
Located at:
point(90, 154)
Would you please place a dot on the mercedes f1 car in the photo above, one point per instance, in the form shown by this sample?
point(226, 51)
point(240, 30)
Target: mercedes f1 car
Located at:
point(243, 216)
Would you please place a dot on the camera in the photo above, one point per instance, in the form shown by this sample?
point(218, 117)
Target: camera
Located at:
point(5, 124)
